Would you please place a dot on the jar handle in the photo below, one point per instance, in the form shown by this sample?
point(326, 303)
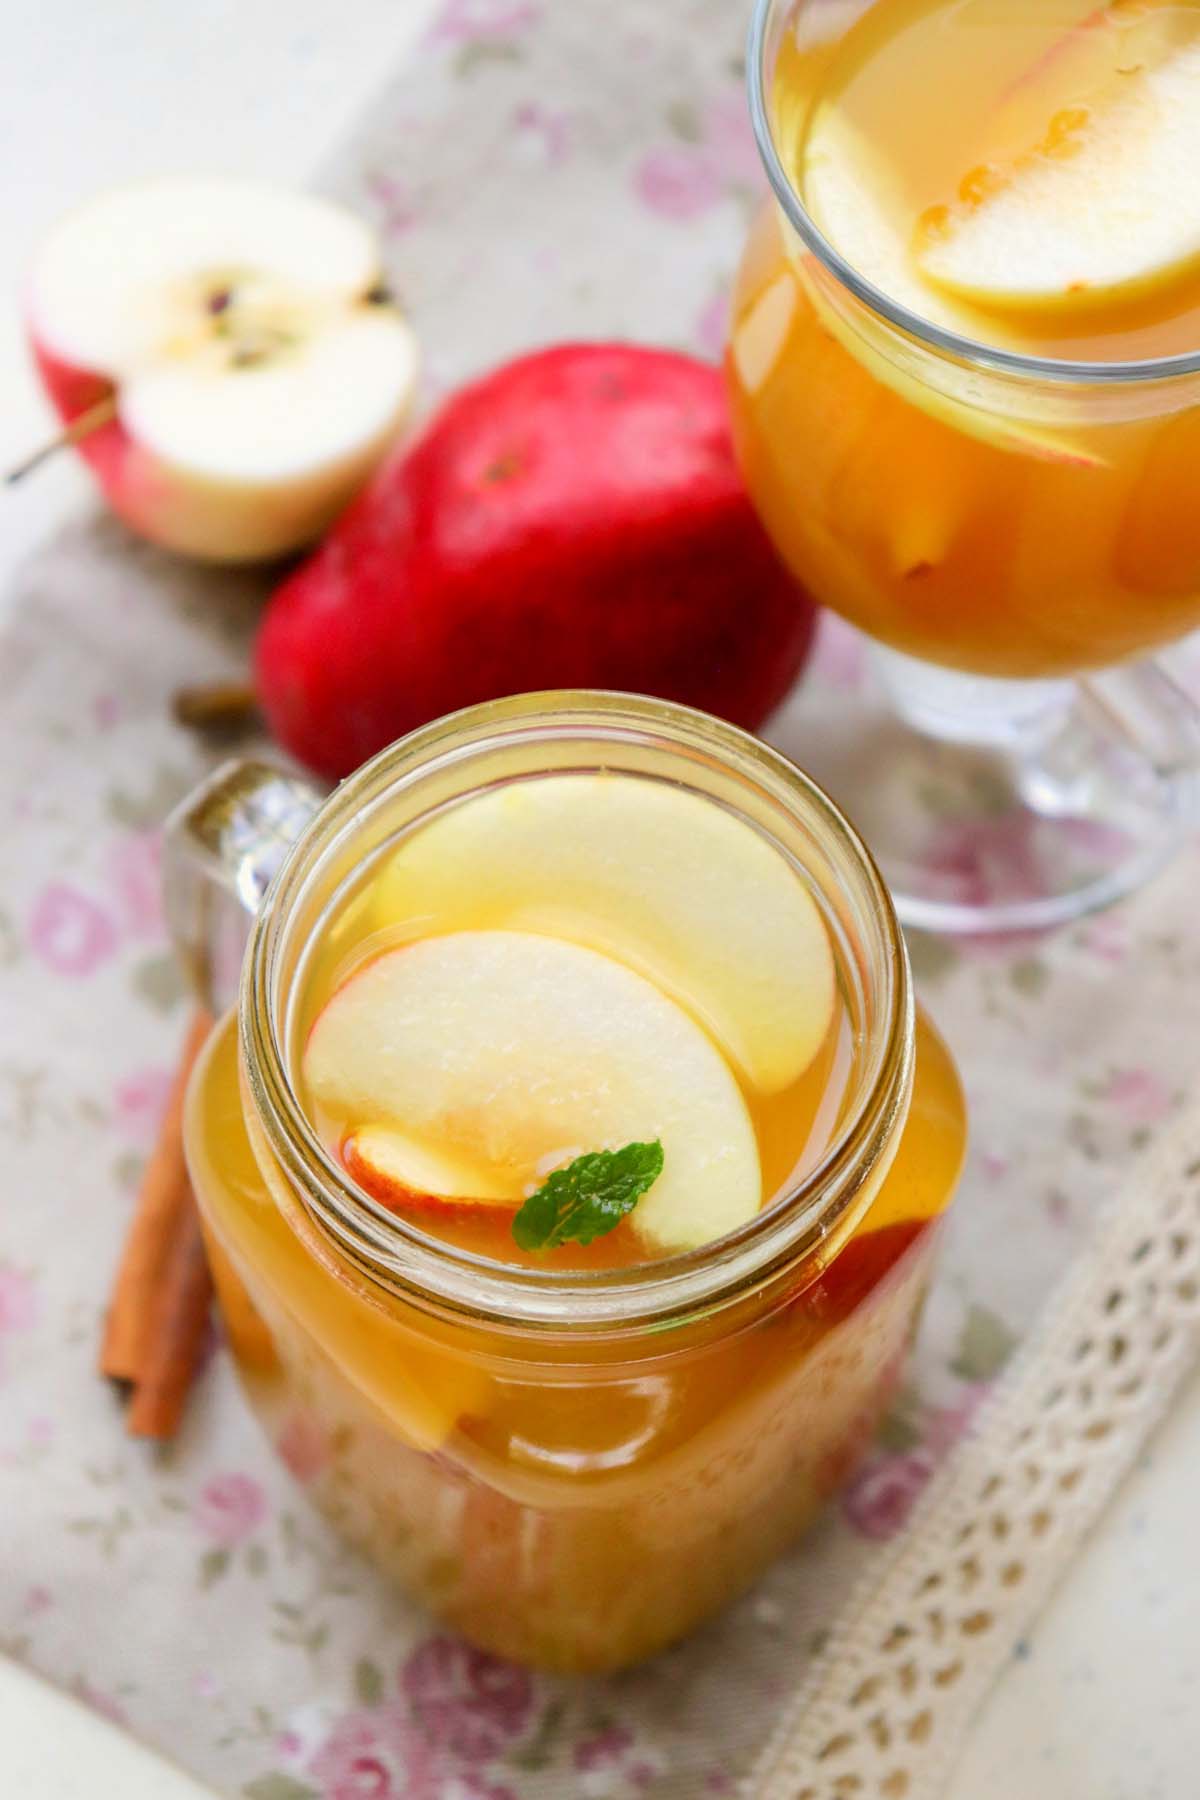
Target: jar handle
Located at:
point(223, 846)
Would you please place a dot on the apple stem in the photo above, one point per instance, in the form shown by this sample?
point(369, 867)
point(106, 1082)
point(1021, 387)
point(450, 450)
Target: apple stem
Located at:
point(219, 705)
point(83, 425)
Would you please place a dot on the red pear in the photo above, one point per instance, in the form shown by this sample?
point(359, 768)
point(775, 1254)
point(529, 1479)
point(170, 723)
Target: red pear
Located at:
point(574, 519)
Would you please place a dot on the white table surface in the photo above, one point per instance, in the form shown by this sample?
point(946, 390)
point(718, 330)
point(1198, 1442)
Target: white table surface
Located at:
point(1104, 1701)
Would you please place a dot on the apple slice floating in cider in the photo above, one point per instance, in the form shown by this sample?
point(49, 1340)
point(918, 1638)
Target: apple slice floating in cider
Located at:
point(509, 1050)
point(666, 881)
point(1106, 203)
point(408, 1176)
point(256, 367)
point(856, 201)
point(1090, 63)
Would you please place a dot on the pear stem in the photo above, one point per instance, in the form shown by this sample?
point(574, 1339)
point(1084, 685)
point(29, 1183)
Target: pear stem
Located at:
point(218, 705)
point(82, 426)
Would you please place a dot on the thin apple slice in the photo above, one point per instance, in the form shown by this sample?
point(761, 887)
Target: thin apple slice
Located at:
point(1089, 63)
point(667, 881)
point(408, 1176)
point(857, 202)
point(514, 1050)
point(1103, 206)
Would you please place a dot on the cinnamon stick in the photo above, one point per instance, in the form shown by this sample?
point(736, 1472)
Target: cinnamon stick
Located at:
point(164, 1202)
point(217, 706)
point(178, 1317)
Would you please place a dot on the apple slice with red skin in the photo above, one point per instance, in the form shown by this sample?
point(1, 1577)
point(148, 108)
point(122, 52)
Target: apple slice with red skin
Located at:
point(517, 1051)
point(576, 519)
point(407, 1176)
point(857, 201)
point(1098, 211)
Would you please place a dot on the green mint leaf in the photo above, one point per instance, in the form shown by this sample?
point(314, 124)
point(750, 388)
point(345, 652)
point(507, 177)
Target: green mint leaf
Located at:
point(587, 1198)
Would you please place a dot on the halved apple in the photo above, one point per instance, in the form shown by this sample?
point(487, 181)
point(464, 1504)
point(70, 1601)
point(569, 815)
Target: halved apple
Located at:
point(667, 881)
point(509, 1050)
point(1104, 205)
point(409, 1176)
point(256, 365)
point(857, 202)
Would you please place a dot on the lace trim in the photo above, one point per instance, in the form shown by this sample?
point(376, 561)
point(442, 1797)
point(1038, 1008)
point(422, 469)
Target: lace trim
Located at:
point(883, 1711)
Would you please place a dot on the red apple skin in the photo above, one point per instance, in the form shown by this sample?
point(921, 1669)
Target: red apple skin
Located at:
point(398, 1197)
point(129, 477)
point(859, 1267)
point(575, 519)
point(204, 519)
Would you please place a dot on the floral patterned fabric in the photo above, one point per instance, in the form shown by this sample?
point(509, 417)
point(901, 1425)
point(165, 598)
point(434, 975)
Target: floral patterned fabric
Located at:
point(548, 170)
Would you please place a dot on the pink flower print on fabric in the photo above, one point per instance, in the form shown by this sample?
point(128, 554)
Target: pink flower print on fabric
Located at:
point(682, 181)
point(1139, 1096)
point(69, 933)
point(678, 182)
point(377, 1754)
point(139, 1103)
point(20, 1302)
point(729, 137)
point(1107, 937)
point(603, 1749)
point(712, 326)
point(303, 1446)
point(946, 1424)
point(230, 1509)
point(469, 21)
point(879, 1500)
point(985, 862)
point(467, 1702)
point(395, 201)
point(544, 135)
point(137, 880)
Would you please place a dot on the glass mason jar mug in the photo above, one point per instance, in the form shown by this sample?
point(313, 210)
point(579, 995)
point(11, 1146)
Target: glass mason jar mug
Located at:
point(571, 1466)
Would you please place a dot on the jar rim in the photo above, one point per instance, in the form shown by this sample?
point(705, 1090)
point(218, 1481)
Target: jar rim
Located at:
point(461, 1284)
point(1068, 372)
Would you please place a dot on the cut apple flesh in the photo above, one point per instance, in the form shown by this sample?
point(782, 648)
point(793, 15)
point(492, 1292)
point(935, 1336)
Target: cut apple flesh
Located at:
point(250, 345)
point(666, 881)
point(511, 1051)
point(858, 204)
point(1090, 64)
point(1106, 202)
point(342, 380)
point(139, 267)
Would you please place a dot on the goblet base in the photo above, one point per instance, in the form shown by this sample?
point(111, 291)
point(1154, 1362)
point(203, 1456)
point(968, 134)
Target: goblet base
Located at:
point(998, 806)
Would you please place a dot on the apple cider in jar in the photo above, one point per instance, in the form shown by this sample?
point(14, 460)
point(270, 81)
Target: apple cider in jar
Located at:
point(1013, 493)
point(574, 1184)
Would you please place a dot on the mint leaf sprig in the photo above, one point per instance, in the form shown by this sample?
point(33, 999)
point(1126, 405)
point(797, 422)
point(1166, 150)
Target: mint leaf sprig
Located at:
point(588, 1198)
